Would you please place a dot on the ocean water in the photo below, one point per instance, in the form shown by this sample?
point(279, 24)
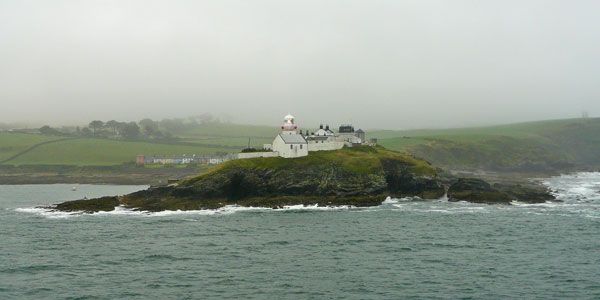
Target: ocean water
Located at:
point(403, 249)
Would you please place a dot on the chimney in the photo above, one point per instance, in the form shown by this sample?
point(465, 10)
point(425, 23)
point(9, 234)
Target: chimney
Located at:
point(327, 127)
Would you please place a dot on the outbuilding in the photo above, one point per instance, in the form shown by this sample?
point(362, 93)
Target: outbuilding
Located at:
point(290, 145)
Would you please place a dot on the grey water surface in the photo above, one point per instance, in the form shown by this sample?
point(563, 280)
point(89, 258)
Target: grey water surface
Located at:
point(403, 249)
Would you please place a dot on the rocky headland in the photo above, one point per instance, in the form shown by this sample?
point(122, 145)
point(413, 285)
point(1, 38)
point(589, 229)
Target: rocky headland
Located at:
point(358, 176)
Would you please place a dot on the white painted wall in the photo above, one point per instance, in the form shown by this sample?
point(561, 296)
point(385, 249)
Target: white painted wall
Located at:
point(327, 146)
point(284, 150)
point(256, 155)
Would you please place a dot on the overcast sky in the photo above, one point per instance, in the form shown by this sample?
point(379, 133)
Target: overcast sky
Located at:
point(379, 64)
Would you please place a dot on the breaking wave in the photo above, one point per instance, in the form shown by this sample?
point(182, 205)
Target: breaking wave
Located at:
point(226, 210)
point(579, 195)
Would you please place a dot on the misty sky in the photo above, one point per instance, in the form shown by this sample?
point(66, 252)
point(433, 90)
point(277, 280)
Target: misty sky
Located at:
point(379, 64)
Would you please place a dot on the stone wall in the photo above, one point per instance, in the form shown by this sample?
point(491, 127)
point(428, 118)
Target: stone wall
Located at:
point(256, 155)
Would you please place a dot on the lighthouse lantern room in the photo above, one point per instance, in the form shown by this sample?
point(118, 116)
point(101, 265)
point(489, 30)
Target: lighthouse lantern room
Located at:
point(288, 125)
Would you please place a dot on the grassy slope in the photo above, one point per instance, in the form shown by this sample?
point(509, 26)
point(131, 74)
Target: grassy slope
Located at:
point(230, 134)
point(543, 144)
point(494, 147)
point(96, 152)
point(13, 143)
point(363, 159)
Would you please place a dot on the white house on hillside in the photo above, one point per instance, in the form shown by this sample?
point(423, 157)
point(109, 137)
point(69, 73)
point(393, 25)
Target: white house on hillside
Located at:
point(290, 145)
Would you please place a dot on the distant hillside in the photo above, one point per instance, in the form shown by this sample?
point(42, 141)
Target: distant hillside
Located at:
point(535, 146)
point(554, 145)
point(230, 134)
point(33, 150)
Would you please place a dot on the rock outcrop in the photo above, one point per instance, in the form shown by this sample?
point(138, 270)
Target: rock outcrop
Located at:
point(478, 191)
point(358, 176)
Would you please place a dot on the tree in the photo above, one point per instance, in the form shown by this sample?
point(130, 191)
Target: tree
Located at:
point(150, 127)
point(86, 132)
point(47, 130)
point(113, 125)
point(172, 125)
point(96, 125)
point(131, 130)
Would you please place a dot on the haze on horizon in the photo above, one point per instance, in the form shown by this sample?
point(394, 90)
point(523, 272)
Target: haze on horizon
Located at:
point(378, 64)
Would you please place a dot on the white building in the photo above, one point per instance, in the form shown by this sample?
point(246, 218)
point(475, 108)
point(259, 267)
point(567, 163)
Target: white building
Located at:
point(290, 144)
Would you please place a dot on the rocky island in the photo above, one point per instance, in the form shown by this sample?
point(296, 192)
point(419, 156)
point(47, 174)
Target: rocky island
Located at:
point(358, 176)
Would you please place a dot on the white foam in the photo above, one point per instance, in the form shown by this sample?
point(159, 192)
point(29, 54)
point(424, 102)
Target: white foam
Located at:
point(48, 213)
point(122, 211)
point(390, 200)
point(317, 207)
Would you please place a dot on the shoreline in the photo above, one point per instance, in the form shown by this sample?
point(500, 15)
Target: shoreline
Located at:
point(117, 175)
point(126, 179)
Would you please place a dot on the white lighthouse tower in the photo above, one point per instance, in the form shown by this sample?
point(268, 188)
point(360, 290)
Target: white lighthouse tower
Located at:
point(288, 143)
point(288, 125)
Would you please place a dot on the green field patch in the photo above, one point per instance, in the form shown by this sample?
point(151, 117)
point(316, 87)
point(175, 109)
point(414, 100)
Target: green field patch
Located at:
point(14, 143)
point(105, 152)
point(229, 130)
point(240, 142)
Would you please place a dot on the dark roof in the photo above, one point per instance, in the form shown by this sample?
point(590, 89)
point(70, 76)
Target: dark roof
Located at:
point(292, 139)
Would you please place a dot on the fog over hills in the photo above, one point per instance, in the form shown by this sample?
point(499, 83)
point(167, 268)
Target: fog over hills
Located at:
point(378, 64)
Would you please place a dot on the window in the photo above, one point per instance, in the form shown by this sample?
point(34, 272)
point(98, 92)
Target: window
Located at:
point(300, 146)
point(291, 146)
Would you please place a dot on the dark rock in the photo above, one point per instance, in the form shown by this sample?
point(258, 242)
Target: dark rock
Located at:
point(527, 193)
point(478, 191)
point(89, 206)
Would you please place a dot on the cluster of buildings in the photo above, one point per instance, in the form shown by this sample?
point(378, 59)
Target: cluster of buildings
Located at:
point(184, 159)
point(290, 143)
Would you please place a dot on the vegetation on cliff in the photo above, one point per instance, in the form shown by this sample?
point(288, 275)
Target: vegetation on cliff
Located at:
point(359, 176)
point(544, 146)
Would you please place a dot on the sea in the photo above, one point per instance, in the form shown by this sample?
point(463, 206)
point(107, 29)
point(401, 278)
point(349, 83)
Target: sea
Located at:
point(402, 249)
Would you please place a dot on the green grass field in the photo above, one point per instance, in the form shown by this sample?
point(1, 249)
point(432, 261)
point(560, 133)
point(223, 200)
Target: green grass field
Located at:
point(97, 152)
point(543, 144)
point(206, 139)
point(13, 143)
point(229, 130)
point(227, 134)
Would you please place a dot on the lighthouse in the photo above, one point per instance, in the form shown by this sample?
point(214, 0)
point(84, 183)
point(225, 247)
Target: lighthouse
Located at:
point(288, 143)
point(288, 125)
